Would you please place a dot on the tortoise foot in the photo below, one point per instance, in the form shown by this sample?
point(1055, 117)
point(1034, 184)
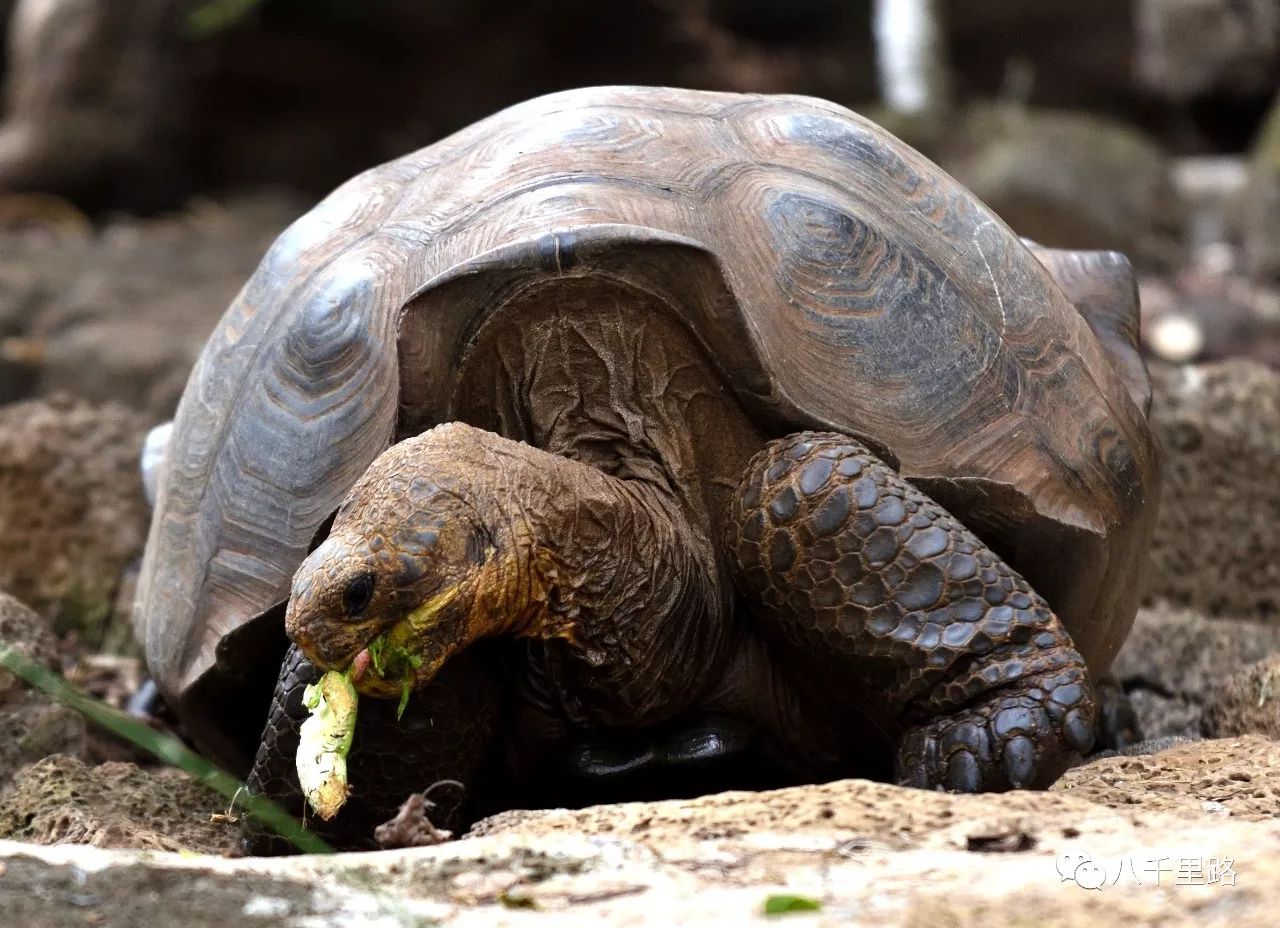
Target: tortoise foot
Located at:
point(274, 775)
point(1020, 737)
point(909, 618)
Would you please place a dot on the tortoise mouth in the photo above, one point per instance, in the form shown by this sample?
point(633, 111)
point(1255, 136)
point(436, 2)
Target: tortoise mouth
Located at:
point(405, 656)
point(383, 671)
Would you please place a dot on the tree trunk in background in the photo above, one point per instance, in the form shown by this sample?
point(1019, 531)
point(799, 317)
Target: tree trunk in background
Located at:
point(93, 96)
point(911, 56)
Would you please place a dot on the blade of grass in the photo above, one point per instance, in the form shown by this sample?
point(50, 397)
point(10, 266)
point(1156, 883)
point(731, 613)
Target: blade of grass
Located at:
point(213, 17)
point(165, 747)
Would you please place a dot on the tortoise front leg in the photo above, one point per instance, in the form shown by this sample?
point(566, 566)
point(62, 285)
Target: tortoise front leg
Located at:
point(443, 735)
point(919, 622)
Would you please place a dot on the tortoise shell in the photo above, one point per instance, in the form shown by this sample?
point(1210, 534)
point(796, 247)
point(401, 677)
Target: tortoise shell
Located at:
point(837, 278)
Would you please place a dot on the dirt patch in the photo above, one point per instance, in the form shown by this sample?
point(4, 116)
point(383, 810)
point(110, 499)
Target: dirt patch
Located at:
point(62, 800)
point(1247, 701)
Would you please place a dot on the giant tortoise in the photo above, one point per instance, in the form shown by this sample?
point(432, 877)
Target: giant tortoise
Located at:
point(628, 405)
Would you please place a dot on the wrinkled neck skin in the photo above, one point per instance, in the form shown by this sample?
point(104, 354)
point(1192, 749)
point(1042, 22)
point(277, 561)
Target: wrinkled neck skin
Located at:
point(619, 573)
point(548, 528)
point(606, 576)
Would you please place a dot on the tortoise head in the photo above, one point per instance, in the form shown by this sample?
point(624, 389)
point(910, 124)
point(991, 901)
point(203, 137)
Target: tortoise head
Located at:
point(404, 580)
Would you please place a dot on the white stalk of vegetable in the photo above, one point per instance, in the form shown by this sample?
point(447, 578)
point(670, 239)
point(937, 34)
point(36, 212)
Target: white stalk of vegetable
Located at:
point(324, 740)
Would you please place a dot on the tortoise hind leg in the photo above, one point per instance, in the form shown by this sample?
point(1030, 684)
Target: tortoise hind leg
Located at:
point(918, 623)
point(442, 735)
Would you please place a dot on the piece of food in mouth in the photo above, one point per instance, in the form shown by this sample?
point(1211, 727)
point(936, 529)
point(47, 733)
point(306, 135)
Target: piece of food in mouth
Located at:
point(324, 740)
point(389, 660)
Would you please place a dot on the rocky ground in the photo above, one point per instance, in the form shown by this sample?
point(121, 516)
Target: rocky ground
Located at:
point(99, 328)
point(1198, 844)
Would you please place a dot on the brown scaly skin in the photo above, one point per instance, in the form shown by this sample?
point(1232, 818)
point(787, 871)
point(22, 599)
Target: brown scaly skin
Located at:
point(518, 542)
point(899, 612)
point(948, 645)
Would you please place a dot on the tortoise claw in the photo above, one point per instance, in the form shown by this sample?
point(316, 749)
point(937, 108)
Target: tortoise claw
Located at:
point(1018, 739)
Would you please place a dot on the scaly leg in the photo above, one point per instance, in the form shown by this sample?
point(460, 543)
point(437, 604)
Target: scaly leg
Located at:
point(917, 622)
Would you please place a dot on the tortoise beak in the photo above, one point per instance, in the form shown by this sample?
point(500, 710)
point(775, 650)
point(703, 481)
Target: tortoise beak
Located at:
point(328, 644)
point(328, 653)
point(379, 654)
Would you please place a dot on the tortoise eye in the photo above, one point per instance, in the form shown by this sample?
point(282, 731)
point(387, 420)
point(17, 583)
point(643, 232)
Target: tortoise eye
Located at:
point(356, 597)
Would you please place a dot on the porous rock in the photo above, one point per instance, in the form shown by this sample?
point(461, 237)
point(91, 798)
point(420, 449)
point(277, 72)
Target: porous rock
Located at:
point(1176, 660)
point(80, 117)
point(1067, 179)
point(104, 316)
point(862, 852)
point(26, 633)
point(1239, 777)
point(32, 726)
point(1218, 529)
point(72, 512)
point(1193, 48)
point(1247, 701)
